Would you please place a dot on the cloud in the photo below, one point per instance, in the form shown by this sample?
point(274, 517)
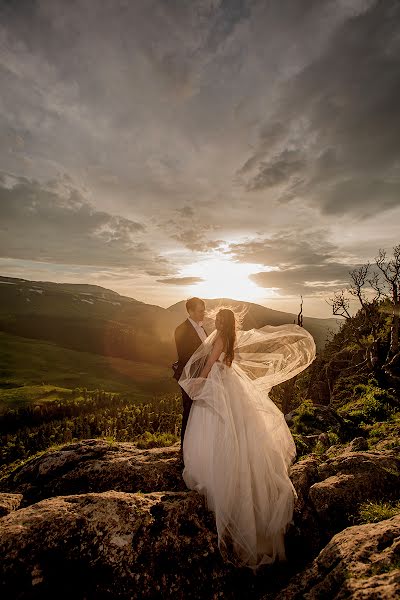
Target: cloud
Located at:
point(181, 280)
point(189, 229)
point(188, 102)
point(298, 262)
point(306, 280)
point(56, 224)
point(195, 240)
point(332, 140)
point(279, 170)
point(186, 212)
point(287, 248)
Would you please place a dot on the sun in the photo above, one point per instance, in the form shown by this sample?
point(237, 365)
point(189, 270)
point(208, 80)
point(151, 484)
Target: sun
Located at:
point(226, 279)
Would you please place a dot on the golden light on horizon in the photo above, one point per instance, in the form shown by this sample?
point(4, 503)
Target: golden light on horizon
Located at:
point(226, 279)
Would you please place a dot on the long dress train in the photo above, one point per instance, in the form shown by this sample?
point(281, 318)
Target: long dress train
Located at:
point(238, 448)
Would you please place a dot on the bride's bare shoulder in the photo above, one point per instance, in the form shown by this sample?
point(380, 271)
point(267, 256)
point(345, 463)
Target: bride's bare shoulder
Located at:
point(218, 342)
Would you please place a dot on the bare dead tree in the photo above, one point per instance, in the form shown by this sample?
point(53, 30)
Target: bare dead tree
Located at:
point(390, 270)
point(340, 304)
point(289, 389)
point(300, 315)
point(361, 277)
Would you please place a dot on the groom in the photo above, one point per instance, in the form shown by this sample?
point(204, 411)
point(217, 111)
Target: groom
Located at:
point(188, 337)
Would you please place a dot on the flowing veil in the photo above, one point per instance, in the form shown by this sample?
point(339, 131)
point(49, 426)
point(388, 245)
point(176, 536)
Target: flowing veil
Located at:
point(239, 448)
point(266, 356)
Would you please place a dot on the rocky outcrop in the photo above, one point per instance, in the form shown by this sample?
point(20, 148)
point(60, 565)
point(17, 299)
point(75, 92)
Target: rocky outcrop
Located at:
point(361, 562)
point(331, 491)
point(98, 520)
point(114, 545)
point(96, 466)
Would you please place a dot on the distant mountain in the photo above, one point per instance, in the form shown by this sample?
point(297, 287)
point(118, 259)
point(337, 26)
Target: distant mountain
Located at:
point(85, 317)
point(94, 319)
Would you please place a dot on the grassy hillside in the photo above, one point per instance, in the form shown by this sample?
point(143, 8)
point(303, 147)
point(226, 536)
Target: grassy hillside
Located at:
point(30, 368)
point(87, 318)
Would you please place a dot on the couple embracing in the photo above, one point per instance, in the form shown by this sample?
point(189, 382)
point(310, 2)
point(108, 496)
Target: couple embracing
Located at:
point(236, 446)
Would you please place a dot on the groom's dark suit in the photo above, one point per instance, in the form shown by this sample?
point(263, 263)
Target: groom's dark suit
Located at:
point(187, 340)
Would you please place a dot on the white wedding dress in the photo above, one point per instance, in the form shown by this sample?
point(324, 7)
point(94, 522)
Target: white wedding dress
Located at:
point(238, 448)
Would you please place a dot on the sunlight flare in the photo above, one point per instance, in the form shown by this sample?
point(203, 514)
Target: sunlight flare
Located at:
point(224, 278)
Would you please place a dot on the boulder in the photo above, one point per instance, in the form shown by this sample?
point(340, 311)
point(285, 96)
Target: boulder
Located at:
point(95, 465)
point(117, 545)
point(330, 492)
point(303, 538)
point(357, 444)
point(361, 562)
point(350, 479)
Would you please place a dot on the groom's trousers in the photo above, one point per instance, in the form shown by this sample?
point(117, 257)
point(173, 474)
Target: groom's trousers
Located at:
point(187, 405)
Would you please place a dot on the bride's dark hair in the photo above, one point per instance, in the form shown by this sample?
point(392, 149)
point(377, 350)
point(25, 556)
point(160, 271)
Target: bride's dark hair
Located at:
point(228, 334)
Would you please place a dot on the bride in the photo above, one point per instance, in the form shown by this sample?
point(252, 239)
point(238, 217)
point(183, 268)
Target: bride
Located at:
point(237, 447)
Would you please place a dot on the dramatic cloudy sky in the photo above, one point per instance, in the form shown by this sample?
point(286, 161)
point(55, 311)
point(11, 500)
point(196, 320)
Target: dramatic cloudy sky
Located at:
point(169, 148)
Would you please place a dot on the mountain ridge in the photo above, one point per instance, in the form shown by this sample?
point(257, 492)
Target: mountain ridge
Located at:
point(170, 308)
point(95, 319)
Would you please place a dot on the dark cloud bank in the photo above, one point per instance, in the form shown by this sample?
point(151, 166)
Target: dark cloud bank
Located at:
point(243, 129)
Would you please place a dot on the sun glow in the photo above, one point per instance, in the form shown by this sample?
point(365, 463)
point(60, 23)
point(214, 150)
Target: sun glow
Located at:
point(226, 279)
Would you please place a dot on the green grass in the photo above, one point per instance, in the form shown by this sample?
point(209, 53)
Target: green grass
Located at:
point(384, 432)
point(369, 403)
point(373, 512)
point(155, 440)
point(33, 370)
point(26, 394)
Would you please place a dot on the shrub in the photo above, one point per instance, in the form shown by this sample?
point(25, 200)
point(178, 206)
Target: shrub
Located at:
point(155, 440)
point(370, 403)
point(303, 421)
point(333, 438)
point(319, 448)
point(301, 447)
